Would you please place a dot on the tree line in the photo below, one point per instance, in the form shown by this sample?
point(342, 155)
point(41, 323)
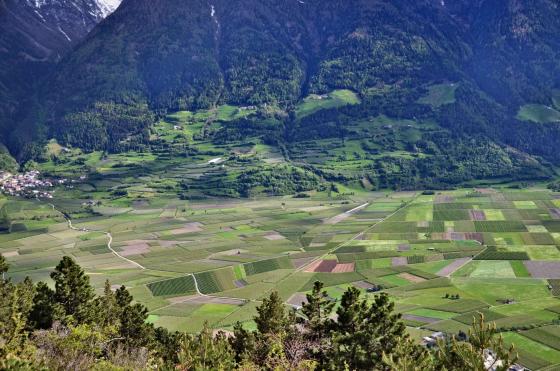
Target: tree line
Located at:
point(71, 328)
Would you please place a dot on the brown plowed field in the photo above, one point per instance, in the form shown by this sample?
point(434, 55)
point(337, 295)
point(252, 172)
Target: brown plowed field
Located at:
point(411, 278)
point(395, 262)
point(343, 268)
point(329, 266)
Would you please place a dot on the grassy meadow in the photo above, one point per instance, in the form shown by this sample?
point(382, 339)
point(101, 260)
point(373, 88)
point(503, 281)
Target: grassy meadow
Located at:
point(539, 113)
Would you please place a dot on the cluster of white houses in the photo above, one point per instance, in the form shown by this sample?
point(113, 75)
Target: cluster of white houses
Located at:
point(27, 185)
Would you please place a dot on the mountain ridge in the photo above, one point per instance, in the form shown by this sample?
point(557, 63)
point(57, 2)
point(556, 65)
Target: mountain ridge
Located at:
point(34, 35)
point(154, 57)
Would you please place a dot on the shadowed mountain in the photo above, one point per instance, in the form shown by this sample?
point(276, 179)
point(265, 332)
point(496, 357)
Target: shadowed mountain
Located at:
point(153, 57)
point(34, 35)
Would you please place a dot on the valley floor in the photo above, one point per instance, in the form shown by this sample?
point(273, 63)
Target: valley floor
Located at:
point(443, 257)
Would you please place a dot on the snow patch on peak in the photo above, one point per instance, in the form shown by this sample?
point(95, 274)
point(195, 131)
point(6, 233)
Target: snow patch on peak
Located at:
point(36, 3)
point(100, 8)
point(107, 6)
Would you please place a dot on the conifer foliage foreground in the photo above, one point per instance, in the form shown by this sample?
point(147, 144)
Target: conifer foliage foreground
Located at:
point(70, 328)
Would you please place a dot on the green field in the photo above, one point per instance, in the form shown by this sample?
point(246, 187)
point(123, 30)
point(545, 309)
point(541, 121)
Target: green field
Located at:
point(335, 99)
point(214, 259)
point(439, 95)
point(492, 269)
point(538, 113)
point(533, 354)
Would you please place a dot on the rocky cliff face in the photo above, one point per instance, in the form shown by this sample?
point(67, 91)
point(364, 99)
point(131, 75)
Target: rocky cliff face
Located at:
point(37, 30)
point(34, 34)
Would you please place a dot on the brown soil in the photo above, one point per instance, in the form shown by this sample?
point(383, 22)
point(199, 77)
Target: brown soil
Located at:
point(343, 268)
point(411, 278)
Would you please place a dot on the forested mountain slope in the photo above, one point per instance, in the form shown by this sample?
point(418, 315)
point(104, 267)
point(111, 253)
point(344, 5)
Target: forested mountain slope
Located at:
point(34, 34)
point(483, 71)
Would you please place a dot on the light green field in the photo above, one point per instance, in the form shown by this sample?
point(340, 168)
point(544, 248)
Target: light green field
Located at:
point(419, 213)
point(532, 347)
point(525, 204)
point(538, 113)
point(537, 229)
point(543, 252)
point(492, 291)
point(493, 269)
point(519, 269)
point(432, 313)
point(337, 98)
point(494, 214)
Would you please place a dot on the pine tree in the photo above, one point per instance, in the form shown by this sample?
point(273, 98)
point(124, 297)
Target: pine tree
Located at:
point(132, 318)
point(122, 297)
point(25, 292)
point(483, 350)
point(271, 318)
point(408, 356)
point(242, 343)
point(73, 291)
point(134, 328)
point(317, 311)
point(107, 309)
point(205, 351)
point(362, 333)
point(346, 339)
point(166, 347)
point(273, 329)
point(385, 324)
point(15, 305)
point(45, 310)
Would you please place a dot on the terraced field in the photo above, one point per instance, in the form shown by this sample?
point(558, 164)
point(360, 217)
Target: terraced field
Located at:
point(444, 258)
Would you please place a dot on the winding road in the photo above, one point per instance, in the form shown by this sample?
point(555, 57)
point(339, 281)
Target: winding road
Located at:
point(109, 243)
point(108, 234)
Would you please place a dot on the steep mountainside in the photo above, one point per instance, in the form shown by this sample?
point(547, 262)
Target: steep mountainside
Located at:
point(517, 49)
point(34, 34)
point(174, 55)
point(468, 66)
point(199, 52)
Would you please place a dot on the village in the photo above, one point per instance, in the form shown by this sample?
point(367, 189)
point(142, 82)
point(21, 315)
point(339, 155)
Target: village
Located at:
point(28, 185)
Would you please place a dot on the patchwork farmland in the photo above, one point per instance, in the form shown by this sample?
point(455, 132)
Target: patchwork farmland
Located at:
point(443, 258)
